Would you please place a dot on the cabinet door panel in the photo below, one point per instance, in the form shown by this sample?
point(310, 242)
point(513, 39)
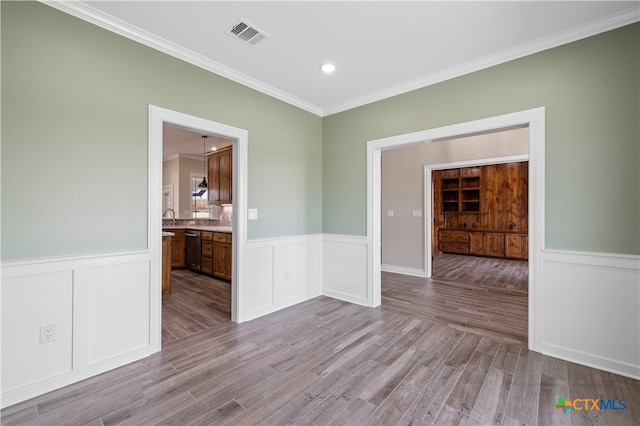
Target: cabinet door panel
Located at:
point(493, 244)
point(214, 177)
point(225, 177)
point(476, 243)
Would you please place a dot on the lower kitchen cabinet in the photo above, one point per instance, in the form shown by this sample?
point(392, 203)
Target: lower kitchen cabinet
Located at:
point(216, 254)
point(178, 244)
point(207, 252)
point(222, 255)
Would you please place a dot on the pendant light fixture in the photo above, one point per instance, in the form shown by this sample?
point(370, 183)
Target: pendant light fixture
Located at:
point(204, 183)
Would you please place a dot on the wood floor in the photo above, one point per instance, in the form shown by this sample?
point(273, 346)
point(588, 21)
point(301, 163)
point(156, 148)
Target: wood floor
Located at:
point(429, 355)
point(490, 272)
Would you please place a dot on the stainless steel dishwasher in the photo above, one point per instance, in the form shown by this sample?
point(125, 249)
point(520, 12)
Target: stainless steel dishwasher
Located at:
point(193, 256)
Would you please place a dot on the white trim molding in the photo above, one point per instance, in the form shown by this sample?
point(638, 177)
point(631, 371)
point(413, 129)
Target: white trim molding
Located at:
point(157, 117)
point(592, 309)
point(414, 272)
point(535, 120)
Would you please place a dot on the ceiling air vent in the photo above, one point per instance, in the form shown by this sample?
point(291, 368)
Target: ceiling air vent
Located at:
point(247, 33)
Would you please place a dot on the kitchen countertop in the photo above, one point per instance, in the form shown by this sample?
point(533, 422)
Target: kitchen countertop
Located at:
point(223, 229)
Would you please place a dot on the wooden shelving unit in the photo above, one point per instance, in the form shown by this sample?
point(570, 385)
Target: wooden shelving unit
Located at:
point(461, 190)
point(482, 210)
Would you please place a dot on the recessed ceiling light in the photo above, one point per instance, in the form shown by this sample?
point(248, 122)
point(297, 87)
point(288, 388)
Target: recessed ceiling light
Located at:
point(328, 68)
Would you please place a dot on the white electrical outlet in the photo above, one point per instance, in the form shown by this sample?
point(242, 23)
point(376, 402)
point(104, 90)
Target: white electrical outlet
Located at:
point(47, 333)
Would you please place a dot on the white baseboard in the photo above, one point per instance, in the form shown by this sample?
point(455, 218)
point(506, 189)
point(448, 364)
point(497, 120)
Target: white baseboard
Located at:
point(414, 272)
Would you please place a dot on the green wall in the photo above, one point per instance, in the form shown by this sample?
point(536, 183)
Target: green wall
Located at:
point(74, 138)
point(591, 92)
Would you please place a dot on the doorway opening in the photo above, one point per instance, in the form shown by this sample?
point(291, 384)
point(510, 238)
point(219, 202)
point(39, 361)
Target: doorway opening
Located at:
point(534, 119)
point(158, 117)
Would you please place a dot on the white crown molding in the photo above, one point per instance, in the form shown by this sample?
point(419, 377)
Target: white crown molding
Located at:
point(555, 40)
point(103, 20)
point(108, 22)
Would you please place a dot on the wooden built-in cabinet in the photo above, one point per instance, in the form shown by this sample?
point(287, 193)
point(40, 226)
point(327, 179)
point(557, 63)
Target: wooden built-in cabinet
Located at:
point(454, 241)
point(482, 210)
point(517, 246)
point(486, 244)
point(220, 174)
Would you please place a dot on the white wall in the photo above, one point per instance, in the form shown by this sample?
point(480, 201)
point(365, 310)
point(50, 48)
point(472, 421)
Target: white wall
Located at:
point(403, 189)
point(177, 171)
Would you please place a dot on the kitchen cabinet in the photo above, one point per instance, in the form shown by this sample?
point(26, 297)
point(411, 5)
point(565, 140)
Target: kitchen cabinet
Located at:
point(207, 252)
point(517, 246)
point(178, 245)
point(220, 175)
point(166, 265)
point(222, 255)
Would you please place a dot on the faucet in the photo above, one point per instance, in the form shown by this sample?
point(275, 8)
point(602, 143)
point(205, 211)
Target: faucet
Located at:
point(173, 215)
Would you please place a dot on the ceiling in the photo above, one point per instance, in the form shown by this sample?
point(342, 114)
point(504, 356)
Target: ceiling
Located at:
point(184, 142)
point(380, 48)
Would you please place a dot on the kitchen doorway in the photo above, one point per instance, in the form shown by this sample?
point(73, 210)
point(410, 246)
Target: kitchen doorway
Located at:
point(534, 119)
point(157, 118)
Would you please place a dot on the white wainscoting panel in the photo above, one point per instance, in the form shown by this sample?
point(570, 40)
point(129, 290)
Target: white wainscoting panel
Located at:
point(119, 305)
point(591, 310)
point(279, 273)
point(344, 262)
point(100, 306)
point(29, 302)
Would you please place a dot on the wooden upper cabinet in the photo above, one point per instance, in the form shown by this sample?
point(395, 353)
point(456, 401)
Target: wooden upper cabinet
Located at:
point(220, 167)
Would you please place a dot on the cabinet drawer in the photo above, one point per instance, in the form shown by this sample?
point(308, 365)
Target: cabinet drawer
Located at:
point(454, 236)
point(460, 248)
point(207, 235)
point(207, 248)
point(207, 265)
point(221, 237)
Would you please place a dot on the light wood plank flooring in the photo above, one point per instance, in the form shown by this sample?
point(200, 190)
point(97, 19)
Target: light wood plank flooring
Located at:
point(424, 357)
point(497, 273)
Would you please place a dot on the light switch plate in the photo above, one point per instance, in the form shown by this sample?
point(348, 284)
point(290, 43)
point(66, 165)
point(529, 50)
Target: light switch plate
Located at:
point(253, 214)
point(416, 213)
point(389, 213)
